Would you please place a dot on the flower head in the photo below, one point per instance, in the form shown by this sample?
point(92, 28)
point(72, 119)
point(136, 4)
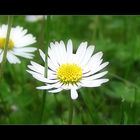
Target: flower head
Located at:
point(34, 18)
point(69, 71)
point(17, 44)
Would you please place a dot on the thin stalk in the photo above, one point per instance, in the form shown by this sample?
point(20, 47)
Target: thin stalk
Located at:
point(124, 80)
point(122, 113)
point(134, 106)
point(70, 111)
point(96, 27)
point(42, 33)
point(46, 65)
point(91, 114)
point(43, 106)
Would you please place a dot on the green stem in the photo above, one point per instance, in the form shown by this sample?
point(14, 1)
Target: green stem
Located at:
point(46, 65)
point(86, 103)
point(42, 33)
point(124, 80)
point(122, 113)
point(10, 19)
point(70, 111)
point(96, 24)
point(43, 106)
point(134, 106)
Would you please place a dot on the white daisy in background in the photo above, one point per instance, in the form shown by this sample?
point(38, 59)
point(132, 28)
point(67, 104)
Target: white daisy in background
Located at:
point(69, 71)
point(34, 18)
point(18, 41)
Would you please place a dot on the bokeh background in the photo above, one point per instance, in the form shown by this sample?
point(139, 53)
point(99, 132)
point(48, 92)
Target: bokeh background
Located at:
point(116, 102)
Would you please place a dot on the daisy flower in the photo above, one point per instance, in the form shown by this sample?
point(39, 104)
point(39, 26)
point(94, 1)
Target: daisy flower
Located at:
point(18, 41)
point(68, 70)
point(34, 18)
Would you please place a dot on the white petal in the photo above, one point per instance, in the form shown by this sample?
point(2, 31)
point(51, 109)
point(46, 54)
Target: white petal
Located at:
point(25, 49)
point(65, 86)
point(95, 57)
point(93, 63)
point(51, 74)
point(36, 70)
point(41, 77)
point(55, 90)
point(96, 68)
point(87, 56)
point(49, 86)
point(51, 65)
point(42, 87)
point(69, 50)
point(102, 66)
point(69, 46)
point(74, 94)
point(12, 58)
point(52, 46)
point(1, 50)
point(17, 33)
point(55, 85)
point(94, 83)
point(42, 54)
point(55, 52)
point(36, 73)
point(81, 52)
point(96, 76)
point(53, 57)
point(23, 54)
point(3, 30)
point(36, 67)
point(24, 41)
point(59, 53)
point(92, 68)
point(1, 57)
point(62, 51)
point(73, 59)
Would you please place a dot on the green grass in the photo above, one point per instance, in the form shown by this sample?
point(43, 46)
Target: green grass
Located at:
point(116, 102)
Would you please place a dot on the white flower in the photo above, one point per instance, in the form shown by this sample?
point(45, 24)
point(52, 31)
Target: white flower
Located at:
point(69, 71)
point(18, 41)
point(34, 18)
point(14, 108)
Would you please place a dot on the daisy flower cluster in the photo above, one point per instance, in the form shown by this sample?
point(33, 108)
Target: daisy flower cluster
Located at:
point(68, 70)
point(17, 45)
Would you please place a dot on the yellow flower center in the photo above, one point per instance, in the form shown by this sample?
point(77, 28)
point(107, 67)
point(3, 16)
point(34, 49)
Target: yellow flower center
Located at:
point(69, 73)
point(10, 43)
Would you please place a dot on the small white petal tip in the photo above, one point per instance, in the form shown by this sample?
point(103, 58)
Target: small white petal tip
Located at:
point(74, 94)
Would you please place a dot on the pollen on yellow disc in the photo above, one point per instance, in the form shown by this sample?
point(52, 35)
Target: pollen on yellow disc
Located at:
point(69, 73)
point(10, 43)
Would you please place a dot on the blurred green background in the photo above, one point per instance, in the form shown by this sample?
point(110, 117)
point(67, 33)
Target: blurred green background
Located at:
point(116, 102)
